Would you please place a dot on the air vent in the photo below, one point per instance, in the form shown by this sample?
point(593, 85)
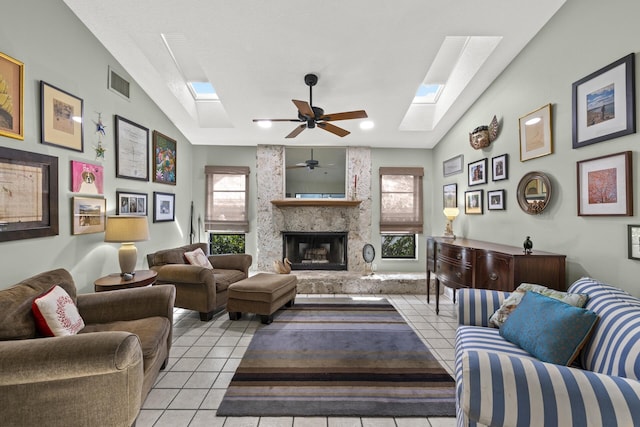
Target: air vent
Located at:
point(118, 84)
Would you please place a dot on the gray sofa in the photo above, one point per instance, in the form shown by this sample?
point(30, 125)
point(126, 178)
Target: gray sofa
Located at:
point(199, 288)
point(500, 384)
point(100, 376)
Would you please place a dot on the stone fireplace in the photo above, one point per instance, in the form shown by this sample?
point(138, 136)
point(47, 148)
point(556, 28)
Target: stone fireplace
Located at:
point(351, 216)
point(315, 250)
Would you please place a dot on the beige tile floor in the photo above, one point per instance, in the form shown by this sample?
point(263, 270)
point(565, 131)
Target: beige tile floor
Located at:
point(205, 355)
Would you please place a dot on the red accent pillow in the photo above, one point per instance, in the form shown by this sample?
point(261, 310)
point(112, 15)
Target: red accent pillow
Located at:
point(56, 314)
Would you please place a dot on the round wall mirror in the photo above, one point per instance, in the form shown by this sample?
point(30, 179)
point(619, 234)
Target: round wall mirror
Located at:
point(534, 192)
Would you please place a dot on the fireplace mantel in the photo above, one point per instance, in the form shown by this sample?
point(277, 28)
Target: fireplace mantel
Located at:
point(315, 202)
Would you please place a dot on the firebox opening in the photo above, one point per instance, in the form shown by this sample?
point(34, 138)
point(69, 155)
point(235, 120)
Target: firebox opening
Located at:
point(315, 250)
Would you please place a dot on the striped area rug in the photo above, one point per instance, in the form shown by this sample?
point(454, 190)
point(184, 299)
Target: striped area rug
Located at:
point(337, 357)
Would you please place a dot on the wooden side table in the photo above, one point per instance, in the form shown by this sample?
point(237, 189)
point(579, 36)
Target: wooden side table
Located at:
point(114, 281)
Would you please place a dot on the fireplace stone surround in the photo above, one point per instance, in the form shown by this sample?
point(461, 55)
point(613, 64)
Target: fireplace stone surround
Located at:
point(273, 219)
point(352, 216)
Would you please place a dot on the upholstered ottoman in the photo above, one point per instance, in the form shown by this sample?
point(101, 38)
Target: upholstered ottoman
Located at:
point(261, 294)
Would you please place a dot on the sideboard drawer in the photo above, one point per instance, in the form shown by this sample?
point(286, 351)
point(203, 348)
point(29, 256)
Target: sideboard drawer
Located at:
point(494, 271)
point(462, 255)
point(453, 273)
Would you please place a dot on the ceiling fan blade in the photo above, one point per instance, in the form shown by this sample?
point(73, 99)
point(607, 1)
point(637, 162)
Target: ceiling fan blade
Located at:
point(304, 108)
point(297, 131)
point(347, 115)
point(277, 120)
point(334, 129)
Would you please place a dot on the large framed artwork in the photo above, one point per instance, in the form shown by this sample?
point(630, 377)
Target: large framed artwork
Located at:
point(89, 215)
point(535, 134)
point(61, 118)
point(12, 100)
point(129, 203)
point(164, 159)
point(604, 103)
point(132, 150)
point(29, 196)
point(605, 186)
point(87, 178)
point(164, 207)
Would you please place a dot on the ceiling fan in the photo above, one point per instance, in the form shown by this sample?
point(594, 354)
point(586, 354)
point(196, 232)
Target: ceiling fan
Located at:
point(310, 164)
point(311, 116)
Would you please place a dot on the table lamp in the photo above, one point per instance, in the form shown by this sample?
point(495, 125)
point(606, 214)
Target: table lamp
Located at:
point(127, 230)
point(451, 214)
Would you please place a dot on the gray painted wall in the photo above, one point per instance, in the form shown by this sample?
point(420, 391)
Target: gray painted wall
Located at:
point(57, 48)
point(581, 38)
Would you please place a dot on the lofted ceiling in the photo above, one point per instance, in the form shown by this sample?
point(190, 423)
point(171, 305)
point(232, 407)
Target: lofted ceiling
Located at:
point(370, 55)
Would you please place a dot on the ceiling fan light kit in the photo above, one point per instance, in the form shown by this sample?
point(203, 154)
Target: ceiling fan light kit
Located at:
point(310, 115)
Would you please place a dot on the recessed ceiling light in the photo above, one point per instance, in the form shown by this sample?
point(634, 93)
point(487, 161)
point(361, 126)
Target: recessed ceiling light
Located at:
point(266, 124)
point(367, 124)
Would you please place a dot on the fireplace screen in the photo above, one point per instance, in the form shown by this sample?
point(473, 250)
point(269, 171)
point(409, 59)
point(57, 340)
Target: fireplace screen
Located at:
point(315, 250)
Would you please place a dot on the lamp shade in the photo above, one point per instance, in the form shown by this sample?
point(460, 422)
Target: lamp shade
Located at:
point(451, 212)
point(121, 229)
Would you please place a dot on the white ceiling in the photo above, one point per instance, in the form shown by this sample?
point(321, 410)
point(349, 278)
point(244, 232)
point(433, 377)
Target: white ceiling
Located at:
point(368, 54)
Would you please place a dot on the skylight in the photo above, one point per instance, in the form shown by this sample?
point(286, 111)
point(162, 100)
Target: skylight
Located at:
point(428, 93)
point(202, 90)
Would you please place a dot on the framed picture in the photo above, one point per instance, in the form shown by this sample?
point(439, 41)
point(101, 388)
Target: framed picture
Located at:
point(605, 186)
point(87, 178)
point(89, 215)
point(131, 203)
point(29, 196)
point(164, 207)
point(478, 172)
point(535, 134)
point(634, 241)
point(61, 118)
point(132, 150)
point(499, 165)
point(473, 201)
point(604, 103)
point(450, 196)
point(495, 200)
point(12, 108)
point(453, 166)
point(164, 159)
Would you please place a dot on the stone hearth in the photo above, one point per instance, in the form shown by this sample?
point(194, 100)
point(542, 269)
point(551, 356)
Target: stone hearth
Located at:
point(343, 282)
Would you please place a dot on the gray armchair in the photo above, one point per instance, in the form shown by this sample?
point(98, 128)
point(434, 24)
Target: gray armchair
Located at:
point(100, 376)
point(199, 288)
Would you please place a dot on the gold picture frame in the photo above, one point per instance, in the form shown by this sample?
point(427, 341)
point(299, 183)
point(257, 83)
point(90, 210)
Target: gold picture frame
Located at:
point(536, 134)
point(89, 215)
point(61, 118)
point(11, 97)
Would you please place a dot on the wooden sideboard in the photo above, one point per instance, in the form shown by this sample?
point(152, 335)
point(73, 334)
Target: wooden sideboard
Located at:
point(464, 263)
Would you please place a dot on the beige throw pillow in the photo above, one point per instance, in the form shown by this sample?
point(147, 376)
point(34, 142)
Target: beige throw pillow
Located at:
point(198, 257)
point(498, 318)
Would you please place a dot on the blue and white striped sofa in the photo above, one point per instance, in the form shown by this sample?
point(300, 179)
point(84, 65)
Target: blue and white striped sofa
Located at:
point(499, 384)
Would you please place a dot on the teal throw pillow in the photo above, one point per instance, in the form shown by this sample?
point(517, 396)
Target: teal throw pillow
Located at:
point(549, 329)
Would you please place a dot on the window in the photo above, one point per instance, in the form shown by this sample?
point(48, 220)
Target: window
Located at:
point(220, 243)
point(399, 246)
point(226, 200)
point(401, 200)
